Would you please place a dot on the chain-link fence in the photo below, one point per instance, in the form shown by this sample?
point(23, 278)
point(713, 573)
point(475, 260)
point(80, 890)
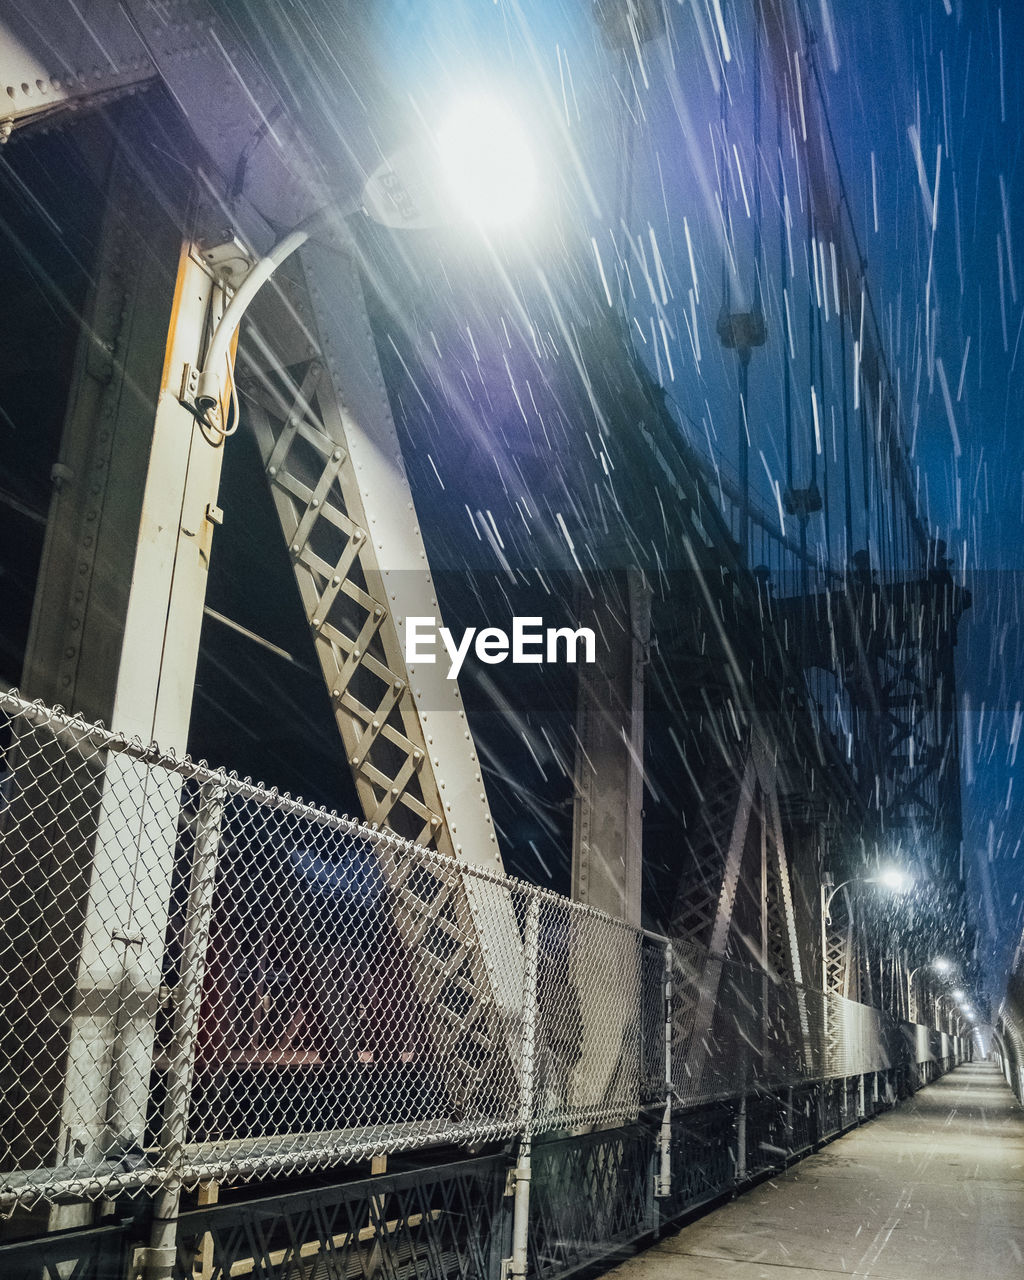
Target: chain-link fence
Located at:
point(737, 1029)
point(203, 978)
point(1008, 1033)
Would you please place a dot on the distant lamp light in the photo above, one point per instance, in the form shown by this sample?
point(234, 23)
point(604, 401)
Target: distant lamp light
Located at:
point(487, 161)
point(894, 879)
point(942, 965)
point(958, 995)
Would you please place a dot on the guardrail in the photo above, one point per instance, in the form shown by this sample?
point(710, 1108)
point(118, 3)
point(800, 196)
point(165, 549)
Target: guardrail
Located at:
point(206, 979)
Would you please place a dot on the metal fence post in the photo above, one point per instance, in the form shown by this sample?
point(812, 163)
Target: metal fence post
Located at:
point(664, 1185)
point(160, 1255)
point(517, 1264)
point(741, 1137)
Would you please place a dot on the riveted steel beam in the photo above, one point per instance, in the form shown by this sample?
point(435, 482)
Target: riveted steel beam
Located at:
point(115, 637)
point(55, 57)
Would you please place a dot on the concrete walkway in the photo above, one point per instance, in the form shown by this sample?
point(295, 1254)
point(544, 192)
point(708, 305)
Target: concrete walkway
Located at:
point(931, 1191)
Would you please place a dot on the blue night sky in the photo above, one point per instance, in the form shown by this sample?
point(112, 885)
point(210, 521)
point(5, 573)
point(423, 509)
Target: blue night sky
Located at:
point(925, 104)
point(954, 78)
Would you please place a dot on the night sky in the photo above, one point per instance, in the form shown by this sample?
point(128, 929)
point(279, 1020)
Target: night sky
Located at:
point(925, 103)
point(917, 76)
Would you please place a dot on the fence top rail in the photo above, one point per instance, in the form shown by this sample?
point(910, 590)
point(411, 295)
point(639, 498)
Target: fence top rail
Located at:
point(80, 732)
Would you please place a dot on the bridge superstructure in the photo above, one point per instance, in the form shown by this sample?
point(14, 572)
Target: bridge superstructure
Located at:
point(433, 422)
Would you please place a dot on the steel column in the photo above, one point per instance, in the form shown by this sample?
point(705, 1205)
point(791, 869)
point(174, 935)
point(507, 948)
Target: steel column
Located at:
point(607, 824)
point(518, 1263)
point(115, 636)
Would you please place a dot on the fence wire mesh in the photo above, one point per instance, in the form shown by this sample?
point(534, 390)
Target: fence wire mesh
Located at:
point(736, 1029)
point(1008, 1040)
point(204, 978)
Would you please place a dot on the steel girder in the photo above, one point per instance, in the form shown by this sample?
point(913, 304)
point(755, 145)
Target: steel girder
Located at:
point(334, 467)
point(310, 380)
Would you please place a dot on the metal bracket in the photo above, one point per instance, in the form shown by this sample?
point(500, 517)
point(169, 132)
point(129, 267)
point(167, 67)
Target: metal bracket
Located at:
point(227, 257)
point(190, 398)
point(189, 385)
point(147, 1260)
point(741, 330)
point(510, 1182)
point(128, 939)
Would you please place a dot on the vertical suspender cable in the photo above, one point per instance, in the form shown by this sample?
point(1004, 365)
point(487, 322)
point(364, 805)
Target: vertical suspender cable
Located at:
point(787, 388)
point(823, 426)
point(811, 249)
point(758, 246)
point(847, 483)
point(865, 460)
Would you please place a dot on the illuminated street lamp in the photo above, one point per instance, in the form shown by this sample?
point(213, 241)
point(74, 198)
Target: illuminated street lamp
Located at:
point(940, 965)
point(487, 162)
point(484, 171)
point(891, 878)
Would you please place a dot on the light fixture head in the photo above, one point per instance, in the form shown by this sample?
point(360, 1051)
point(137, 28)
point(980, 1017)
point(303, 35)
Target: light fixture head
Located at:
point(894, 879)
point(958, 994)
point(942, 965)
point(487, 162)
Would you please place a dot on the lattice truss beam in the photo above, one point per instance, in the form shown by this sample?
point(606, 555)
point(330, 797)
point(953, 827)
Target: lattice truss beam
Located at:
point(890, 648)
point(756, 859)
point(309, 470)
point(315, 408)
point(894, 658)
point(745, 842)
point(841, 969)
point(395, 724)
point(904, 738)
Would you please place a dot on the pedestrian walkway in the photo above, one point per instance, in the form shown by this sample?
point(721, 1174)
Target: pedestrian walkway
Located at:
point(931, 1191)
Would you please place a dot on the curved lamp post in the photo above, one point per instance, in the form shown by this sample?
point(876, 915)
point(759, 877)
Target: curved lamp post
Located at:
point(485, 171)
point(940, 965)
point(891, 878)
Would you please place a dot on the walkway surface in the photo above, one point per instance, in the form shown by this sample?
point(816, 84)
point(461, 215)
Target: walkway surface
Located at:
point(931, 1191)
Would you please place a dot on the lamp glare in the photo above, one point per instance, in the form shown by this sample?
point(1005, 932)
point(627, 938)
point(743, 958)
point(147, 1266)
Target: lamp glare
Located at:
point(487, 161)
point(895, 879)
